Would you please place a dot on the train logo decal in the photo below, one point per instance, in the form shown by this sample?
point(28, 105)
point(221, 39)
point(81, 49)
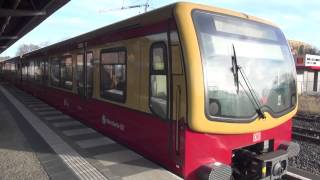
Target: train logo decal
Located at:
point(103, 119)
point(66, 103)
point(256, 137)
point(117, 125)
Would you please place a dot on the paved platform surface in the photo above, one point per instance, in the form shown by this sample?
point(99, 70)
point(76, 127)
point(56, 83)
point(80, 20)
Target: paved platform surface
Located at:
point(17, 157)
point(64, 148)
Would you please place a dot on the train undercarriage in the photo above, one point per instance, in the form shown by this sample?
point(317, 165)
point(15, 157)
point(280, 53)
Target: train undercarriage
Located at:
point(256, 162)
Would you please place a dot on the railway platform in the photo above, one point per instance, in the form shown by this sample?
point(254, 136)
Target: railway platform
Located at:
point(38, 141)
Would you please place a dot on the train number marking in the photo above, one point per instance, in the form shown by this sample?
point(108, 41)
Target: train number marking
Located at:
point(66, 103)
point(256, 137)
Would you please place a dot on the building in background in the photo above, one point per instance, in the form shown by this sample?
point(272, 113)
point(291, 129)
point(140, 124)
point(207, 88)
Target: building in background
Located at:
point(308, 71)
point(307, 60)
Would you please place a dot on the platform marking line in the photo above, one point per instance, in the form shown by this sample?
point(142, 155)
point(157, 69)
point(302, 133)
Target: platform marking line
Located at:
point(24, 96)
point(66, 124)
point(159, 174)
point(29, 99)
point(297, 176)
point(31, 102)
point(43, 108)
point(75, 132)
point(58, 117)
point(117, 157)
point(80, 166)
point(38, 105)
point(53, 112)
point(95, 142)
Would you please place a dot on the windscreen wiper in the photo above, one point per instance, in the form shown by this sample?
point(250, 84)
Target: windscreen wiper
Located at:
point(235, 69)
point(252, 94)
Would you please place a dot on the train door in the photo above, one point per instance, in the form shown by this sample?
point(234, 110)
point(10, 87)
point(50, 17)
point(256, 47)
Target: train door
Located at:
point(84, 84)
point(84, 74)
point(44, 76)
point(178, 99)
point(18, 71)
point(80, 74)
point(45, 73)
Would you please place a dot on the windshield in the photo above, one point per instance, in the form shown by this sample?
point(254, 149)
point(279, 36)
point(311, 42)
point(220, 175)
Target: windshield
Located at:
point(262, 54)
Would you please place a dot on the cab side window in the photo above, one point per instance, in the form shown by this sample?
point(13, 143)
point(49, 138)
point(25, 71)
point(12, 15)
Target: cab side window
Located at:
point(158, 85)
point(113, 74)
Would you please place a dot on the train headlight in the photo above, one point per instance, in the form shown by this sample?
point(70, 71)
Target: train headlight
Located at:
point(264, 171)
point(278, 168)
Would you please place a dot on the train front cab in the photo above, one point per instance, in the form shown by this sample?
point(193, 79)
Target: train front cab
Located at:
point(241, 93)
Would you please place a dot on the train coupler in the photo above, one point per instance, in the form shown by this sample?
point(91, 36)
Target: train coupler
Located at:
point(256, 163)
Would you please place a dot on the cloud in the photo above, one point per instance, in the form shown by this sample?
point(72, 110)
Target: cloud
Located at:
point(67, 21)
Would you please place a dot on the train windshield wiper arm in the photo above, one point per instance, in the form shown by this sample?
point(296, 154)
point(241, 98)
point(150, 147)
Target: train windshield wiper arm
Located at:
point(252, 94)
point(235, 69)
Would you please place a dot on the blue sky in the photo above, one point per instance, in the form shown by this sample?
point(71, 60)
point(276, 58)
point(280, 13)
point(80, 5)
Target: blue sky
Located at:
point(298, 19)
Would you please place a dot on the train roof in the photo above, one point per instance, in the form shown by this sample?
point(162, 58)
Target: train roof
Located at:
point(141, 20)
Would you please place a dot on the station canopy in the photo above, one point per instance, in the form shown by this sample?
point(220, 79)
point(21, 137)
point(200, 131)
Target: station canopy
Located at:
point(18, 17)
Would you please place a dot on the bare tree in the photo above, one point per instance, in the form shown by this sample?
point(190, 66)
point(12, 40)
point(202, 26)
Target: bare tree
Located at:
point(45, 44)
point(301, 50)
point(26, 48)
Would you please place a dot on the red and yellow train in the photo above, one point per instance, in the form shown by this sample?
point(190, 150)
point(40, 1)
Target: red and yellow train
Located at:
point(208, 93)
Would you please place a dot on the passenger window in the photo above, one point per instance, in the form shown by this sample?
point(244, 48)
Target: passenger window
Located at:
point(55, 72)
point(66, 72)
point(113, 74)
point(158, 90)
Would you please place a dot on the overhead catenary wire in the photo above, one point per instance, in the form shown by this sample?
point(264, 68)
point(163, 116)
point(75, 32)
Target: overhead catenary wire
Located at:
point(146, 5)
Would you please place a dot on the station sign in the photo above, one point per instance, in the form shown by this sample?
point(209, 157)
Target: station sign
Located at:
point(312, 60)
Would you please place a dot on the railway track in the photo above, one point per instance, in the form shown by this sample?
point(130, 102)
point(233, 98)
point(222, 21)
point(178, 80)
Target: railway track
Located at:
point(302, 133)
point(306, 128)
point(308, 117)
